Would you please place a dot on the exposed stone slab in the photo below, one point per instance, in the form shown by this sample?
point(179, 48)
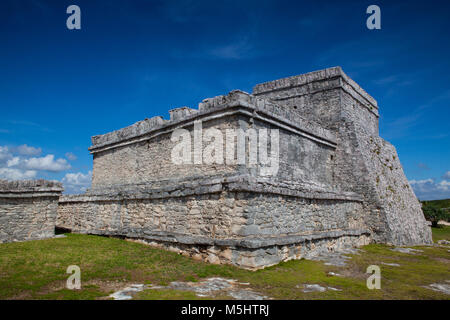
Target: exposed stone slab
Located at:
point(337, 259)
point(128, 292)
point(391, 264)
point(313, 288)
point(440, 287)
point(407, 250)
point(211, 287)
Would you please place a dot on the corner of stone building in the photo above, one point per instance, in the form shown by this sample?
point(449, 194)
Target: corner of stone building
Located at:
point(28, 209)
point(394, 213)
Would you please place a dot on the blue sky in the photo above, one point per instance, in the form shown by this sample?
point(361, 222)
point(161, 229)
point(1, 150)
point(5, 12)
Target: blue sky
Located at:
point(136, 59)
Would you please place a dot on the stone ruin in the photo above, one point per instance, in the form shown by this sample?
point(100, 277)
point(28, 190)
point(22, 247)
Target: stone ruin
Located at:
point(338, 184)
point(28, 209)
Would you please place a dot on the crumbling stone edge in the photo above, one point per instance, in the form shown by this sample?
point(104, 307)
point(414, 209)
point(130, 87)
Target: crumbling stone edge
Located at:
point(250, 253)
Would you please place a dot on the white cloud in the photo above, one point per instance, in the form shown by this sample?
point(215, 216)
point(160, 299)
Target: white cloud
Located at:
point(70, 156)
point(446, 175)
point(428, 189)
point(5, 154)
point(28, 151)
point(47, 163)
point(17, 174)
point(444, 185)
point(13, 162)
point(17, 163)
point(78, 178)
point(77, 182)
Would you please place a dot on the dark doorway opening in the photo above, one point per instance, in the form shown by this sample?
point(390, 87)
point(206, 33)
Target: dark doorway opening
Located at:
point(61, 230)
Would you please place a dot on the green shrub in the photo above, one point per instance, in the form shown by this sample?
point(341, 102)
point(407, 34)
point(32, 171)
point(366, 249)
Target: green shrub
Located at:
point(434, 214)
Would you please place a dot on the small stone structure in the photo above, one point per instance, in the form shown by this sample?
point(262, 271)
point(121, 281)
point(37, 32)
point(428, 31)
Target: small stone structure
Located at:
point(338, 184)
point(28, 209)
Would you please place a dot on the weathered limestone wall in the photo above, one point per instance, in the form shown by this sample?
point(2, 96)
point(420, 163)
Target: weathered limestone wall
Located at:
point(397, 216)
point(150, 160)
point(301, 159)
point(225, 222)
point(213, 212)
point(28, 209)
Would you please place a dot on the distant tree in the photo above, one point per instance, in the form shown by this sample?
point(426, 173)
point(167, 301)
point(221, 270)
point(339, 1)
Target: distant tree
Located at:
point(434, 214)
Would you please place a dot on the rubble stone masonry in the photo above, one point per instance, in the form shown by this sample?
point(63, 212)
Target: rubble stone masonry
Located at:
point(28, 209)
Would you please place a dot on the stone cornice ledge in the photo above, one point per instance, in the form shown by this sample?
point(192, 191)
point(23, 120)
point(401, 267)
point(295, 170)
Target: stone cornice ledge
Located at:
point(30, 189)
point(243, 183)
point(247, 242)
point(21, 195)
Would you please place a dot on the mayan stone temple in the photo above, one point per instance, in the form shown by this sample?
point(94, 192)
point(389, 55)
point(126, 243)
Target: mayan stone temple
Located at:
point(337, 184)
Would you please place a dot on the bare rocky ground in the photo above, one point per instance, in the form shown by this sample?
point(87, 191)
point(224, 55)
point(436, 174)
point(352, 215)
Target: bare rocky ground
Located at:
point(210, 287)
point(338, 259)
point(440, 287)
point(216, 286)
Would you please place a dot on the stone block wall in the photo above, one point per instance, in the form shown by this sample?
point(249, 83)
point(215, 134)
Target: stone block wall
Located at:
point(144, 155)
point(243, 222)
point(28, 209)
point(301, 159)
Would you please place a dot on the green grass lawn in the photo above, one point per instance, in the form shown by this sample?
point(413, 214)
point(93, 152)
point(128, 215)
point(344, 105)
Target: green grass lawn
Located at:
point(442, 233)
point(37, 270)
